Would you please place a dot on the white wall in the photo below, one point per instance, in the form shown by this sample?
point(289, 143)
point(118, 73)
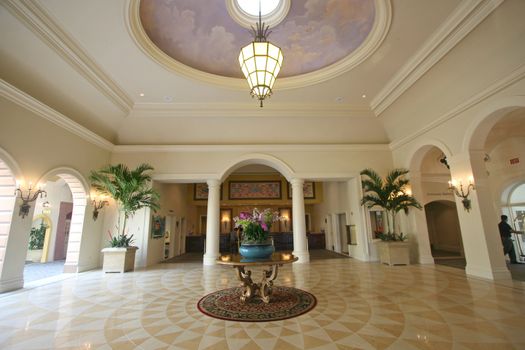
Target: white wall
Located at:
point(38, 146)
point(456, 102)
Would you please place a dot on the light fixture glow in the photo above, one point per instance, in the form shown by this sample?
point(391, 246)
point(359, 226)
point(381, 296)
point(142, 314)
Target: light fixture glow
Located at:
point(252, 7)
point(260, 62)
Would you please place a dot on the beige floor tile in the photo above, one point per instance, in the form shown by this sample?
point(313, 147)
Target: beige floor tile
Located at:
point(360, 306)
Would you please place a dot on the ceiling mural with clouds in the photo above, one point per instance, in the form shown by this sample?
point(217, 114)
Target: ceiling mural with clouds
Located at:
point(202, 35)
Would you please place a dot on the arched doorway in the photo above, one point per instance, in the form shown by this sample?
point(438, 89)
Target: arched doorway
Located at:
point(429, 175)
point(444, 232)
point(494, 151)
point(70, 212)
point(515, 210)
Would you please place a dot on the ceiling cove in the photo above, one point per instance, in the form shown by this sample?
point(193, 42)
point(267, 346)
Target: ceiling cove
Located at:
point(200, 40)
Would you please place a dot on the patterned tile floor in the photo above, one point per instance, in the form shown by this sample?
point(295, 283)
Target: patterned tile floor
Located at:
point(360, 306)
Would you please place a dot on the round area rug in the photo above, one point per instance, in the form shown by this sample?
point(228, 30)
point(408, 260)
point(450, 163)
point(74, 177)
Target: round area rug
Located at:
point(286, 302)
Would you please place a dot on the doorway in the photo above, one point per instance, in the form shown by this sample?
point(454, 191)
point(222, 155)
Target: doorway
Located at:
point(444, 233)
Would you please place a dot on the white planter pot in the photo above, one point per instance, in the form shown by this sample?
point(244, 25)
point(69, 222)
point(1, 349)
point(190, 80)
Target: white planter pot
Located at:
point(34, 255)
point(119, 259)
point(394, 253)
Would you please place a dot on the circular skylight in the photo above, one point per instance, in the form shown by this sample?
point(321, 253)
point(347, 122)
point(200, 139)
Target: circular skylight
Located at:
point(251, 7)
point(246, 12)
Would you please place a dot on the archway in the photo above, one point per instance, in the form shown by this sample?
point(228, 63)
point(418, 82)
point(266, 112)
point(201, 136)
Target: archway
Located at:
point(493, 149)
point(514, 208)
point(429, 174)
point(79, 189)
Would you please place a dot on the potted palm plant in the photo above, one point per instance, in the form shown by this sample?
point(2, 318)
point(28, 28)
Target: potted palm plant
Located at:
point(391, 195)
point(131, 190)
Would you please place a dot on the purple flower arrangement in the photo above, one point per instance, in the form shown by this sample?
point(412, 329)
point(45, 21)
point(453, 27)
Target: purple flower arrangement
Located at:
point(256, 225)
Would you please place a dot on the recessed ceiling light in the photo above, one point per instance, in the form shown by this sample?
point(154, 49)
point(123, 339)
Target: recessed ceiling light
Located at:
point(363, 96)
point(168, 98)
point(141, 94)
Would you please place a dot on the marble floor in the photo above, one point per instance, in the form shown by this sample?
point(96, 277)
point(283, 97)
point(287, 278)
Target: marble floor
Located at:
point(360, 306)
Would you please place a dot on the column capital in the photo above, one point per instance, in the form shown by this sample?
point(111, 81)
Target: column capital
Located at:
point(213, 182)
point(297, 181)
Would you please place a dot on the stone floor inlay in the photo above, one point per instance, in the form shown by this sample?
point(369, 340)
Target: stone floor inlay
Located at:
point(359, 306)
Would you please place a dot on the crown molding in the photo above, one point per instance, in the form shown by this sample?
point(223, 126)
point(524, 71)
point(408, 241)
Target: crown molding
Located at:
point(40, 22)
point(31, 104)
point(234, 110)
point(464, 19)
point(250, 148)
point(440, 178)
point(368, 47)
point(515, 76)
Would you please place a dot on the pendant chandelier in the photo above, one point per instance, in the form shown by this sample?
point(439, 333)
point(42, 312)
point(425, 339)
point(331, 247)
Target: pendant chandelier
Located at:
point(261, 62)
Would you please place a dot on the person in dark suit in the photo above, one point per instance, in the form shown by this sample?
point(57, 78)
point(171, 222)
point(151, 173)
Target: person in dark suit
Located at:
point(505, 231)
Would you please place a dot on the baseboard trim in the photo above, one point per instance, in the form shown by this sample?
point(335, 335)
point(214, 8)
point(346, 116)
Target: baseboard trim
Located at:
point(11, 284)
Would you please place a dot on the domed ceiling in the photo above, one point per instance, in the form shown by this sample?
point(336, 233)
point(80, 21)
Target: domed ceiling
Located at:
point(202, 34)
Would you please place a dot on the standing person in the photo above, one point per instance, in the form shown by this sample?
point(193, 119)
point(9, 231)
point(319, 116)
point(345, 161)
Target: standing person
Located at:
point(508, 245)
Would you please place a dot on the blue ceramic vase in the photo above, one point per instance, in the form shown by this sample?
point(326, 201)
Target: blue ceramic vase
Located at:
point(257, 250)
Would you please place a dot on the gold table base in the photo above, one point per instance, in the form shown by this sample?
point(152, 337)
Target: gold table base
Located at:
point(263, 289)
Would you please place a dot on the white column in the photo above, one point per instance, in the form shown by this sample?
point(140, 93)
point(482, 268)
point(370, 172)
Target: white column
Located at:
point(12, 274)
point(418, 221)
point(479, 227)
point(361, 251)
point(300, 243)
point(212, 223)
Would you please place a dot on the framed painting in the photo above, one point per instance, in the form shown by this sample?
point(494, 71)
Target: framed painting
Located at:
point(308, 190)
point(255, 190)
point(158, 226)
point(200, 191)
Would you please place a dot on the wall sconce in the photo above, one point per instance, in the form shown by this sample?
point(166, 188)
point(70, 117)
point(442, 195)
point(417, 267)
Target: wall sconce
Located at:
point(225, 221)
point(28, 197)
point(453, 186)
point(285, 221)
point(46, 208)
point(98, 201)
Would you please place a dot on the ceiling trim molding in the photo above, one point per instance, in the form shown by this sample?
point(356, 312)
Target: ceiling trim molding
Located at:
point(441, 178)
point(368, 47)
point(40, 22)
point(515, 76)
point(249, 148)
point(464, 19)
point(24, 100)
point(235, 110)
point(189, 178)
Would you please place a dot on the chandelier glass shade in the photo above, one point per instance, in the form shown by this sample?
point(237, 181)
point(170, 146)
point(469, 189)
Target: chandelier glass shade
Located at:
point(260, 62)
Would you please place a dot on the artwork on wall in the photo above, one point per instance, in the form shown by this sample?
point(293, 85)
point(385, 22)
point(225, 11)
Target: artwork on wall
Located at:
point(308, 190)
point(200, 191)
point(255, 190)
point(158, 226)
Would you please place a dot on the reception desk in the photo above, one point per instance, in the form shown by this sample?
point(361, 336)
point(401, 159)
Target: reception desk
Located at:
point(283, 241)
